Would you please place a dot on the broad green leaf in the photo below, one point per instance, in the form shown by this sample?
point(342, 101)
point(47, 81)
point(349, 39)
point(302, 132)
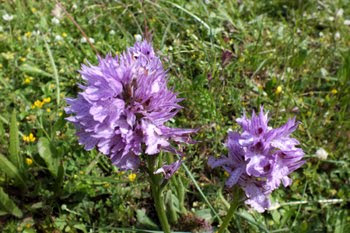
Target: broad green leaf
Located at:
point(205, 214)
point(59, 124)
point(80, 227)
point(6, 204)
point(250, 219)
point(10, 170)
point(31, 69)
point(144, 220)
point(15, 158)
point(59, 179)
point(46, 154)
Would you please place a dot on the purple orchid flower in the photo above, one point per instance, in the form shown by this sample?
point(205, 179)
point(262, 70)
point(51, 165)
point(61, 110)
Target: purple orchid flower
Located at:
point(260, 158)
point(123, 107)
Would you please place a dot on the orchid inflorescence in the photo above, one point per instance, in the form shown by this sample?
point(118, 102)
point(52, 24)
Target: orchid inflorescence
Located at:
point(260, 158)
point(123, 108)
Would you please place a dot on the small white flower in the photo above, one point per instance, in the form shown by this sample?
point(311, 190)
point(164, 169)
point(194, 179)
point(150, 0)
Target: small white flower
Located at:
point(36, 33)
point(112, 32)
point(83, 40)
point(337, 35)
point(347, 22)
point(58, 38)
point(7, 17)
point(74, 6)
point(54, 20)
point(321, 34)
point(322, 154)
point(340, 12)
point(331, 18)
point(138, 37)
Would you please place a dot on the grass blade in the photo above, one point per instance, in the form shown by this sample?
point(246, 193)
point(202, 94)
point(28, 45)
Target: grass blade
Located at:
point(14, 143)
point(8, 205)
point(192, 15)
point(201, 192)
point(10, 170)
point(55, 73)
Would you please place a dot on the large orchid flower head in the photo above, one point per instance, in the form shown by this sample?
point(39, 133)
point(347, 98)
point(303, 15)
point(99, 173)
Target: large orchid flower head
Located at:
point(123, 108)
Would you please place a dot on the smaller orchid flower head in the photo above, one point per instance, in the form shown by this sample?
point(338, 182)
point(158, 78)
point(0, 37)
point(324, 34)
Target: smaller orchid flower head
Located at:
point(123, 108)
point(260, 158)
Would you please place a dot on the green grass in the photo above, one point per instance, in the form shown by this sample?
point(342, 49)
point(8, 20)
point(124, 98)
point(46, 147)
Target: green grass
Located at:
point(301, 46)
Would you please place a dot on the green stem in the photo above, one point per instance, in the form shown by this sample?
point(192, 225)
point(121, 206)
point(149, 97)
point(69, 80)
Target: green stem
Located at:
point(170, 208)
point(231, 211)
point(157, 195)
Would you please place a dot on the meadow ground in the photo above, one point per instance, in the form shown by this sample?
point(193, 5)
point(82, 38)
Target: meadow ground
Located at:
point(224, 58)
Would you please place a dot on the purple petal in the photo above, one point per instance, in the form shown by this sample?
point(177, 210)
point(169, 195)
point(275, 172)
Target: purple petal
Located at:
point(169, 170)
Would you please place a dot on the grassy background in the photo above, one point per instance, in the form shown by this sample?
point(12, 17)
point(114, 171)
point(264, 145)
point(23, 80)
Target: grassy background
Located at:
point(224, 58)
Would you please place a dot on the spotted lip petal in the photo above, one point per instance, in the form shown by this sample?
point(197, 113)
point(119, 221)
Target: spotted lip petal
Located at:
point(260, 158)
point(123, 106)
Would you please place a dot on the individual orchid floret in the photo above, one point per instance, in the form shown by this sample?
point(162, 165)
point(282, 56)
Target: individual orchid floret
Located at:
point(260, 158)
point(169, 170)
point(123, 108)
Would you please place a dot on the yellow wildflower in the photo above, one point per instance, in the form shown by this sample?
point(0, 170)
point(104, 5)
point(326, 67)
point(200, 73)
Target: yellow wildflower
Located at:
point(278, 90)
point(334, 91)
point(27, 34)
point(60, 113)
point(27, 80)
point(29, 138)
point(38, 104)
point(22, 59)
point(29, 161)
point(132, 177)
point(47, 100)
point(33, 9)
point(64, 34)
point(48, 110)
